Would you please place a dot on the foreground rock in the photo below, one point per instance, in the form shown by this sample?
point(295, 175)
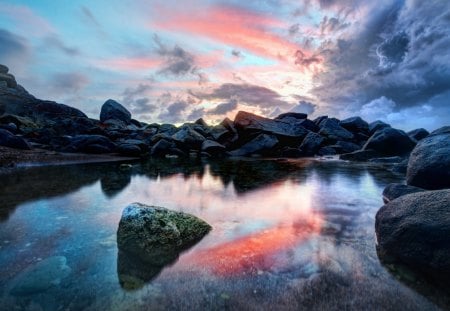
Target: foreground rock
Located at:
point(394, 191)
point(390, 142)
point(414, 229)
point(429, 163)
point(8, 139)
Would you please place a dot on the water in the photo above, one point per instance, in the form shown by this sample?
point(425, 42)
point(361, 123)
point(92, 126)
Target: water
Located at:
point(286, 235)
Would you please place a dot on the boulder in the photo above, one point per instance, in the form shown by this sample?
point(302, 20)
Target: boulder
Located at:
point(319, 120)
point(388, 160)
point(331, 129)
point(43, 110)
point(168, 129)
point(394, 191)
point(309, 125)
point(201, 122)
point(90, 144)
point(263, 143)
point(377, 125)
point(188, 138)
point(165, 147)
point(429, 163)
point(8, 139)
point(289, 152)
point(3, 69)
point(347, 147)
point(130, 150)
point(213, 148)
point(414, 229)
point(418, 134)
point(249, 122)
point(311, 144)
point(326, 151)
point(293, 115)
point(390, 142)
point(359, 155)
point(157, 235)
point(9, 79)
point(114, 111)
point(355, 125)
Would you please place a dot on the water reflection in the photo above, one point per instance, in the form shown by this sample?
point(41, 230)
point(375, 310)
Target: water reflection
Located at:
point(285, 233)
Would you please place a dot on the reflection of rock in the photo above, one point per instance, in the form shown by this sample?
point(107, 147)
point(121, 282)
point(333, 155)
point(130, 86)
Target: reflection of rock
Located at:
point(393, 191)
point(41, 276)
point(114, 182)
point(150, 237)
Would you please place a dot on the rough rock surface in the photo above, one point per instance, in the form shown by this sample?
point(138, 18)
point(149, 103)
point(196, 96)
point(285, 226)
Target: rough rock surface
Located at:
point(394, 191)
point(261, 144)
point(112, 110)
point(389, 141)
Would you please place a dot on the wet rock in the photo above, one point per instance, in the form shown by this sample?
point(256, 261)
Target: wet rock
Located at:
point(112, 110)
point(41, 276)
point(414, 229)
point(418, 134)
point(331, 129)
point(189, 138)
point(326, 151)
point(347, 147)
point(129, 150)
point(263, 143)
point(213, 148)
point(248, 122)
point(355, 125)
point(311, 144)
point(377, 125)
point(394, 191)
point(429, 163)
point(201, 122)
point(157, 235)
point(390, 142)
point(292, 115)
point(162, 147)
point(90, 144)
point(360, 155)
point(388, 160)
point(8, 139)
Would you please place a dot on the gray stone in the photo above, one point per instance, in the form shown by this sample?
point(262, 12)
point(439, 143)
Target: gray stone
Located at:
point(377, 125)
point(429, 163)
point(8, 139)
point(390, 142)
point(3, 69)
point(355, 125)
point(189, 138)
point(263, 143)
point(115, 111)
point(394, 191)
point(311, 144)
point(418, 134)
point(331, 129)
point(294, 115)
point(213, 148)
point(359, 155)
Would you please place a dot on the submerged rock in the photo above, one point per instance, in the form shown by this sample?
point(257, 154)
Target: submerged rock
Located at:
point(394, 191)
point(414, 229)
point(41, 276)
point(429, 163)
point(157, 235)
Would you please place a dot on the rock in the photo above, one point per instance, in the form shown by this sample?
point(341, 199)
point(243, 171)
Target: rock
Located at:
point(3, 69)
point(331, 129)
point(41, 276)
point(394, 191)
point(347, 147)
point(288, 152)
point(311, 144)
point(263, 143)
point(377, 125)
point(201, 122)
point(129, 150)
point(309, 125)
point(359, 156)
point(429, 163)
point(112, 110)
point(326, 151)
point(418, 134)
point(293, 115)
point(213, 148)
point(9, 79)
point(188, 138)
point(319, 120)
point(248, 122)
point(168, 129)
point(7, 139)
point(90, 144)
point(157, 235)
point(10, 127)
point(165, 147)
point(43, 110)
point(390, 142)
point(414, 229)
point(355, 125)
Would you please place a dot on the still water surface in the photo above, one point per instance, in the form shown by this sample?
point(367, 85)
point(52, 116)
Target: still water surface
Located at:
point(286, 235)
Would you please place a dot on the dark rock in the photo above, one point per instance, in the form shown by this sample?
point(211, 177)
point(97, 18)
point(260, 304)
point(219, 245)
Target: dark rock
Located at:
point(394, 191)
point(162, 147)
point(129, 150)
point(189, 138)
point(311, 144)
point(201, 122)
point(157, 235)
point(355, 125)
point(414, 229)
point(9, 79)
point(377, 125)
point(418, 134)
point(347, 147)
point(327, 151)
point(168, 129)
point(262, 144)
point(3, 69)
point(112, 110)
point(331, 129)
point(388, 160)
point(10, 127)
point(429, 163)
point(213, 148)
point(249, 122)
point(360, 155)
point(288, 152)
point(390, 142)
point(309, 125)
point(90, 144)
point(293, 115)
point(319, 120)
point(7, 139)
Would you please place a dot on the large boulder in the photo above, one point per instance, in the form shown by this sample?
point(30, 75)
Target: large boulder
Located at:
point(213, 148)
point(114, 111)
point(157, 235)
point(188, 138)
point(90, 144)
point(331, 129)
point(390, 142)
point(311, 144)
point(394, 191)
point(359, 155)
point(262, 144)
point(8, 139)
point(377, 125)
point(3, 69)
point(249, 122)
point(9, 79)
point(429, 163)
point(418, 134)
point(414, 229)
point(292, 115)
point(355, 125)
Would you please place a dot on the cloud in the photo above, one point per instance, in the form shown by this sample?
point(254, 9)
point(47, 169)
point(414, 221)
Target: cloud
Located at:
point(13, 48)
point(55, 42)
point(377, 109)
point(196, 114)
point(224, 108)
point(178, 62)
point(136, 100)
point(236, 53)
point(252, 95)
point(68, 82)
point(90, 18)
point(304, 107)
point(174, 112)
point(306, 61)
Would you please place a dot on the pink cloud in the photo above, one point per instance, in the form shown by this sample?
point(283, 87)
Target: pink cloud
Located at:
point(122, 63)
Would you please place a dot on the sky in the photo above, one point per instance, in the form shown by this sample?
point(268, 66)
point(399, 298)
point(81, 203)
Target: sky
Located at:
point(176, 61)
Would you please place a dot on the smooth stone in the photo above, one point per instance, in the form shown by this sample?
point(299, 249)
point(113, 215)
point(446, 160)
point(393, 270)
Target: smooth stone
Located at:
point(115, 111)
point(377, 125)
point(261, 144)
point(394, 191)
point(355, 125)
point(390, 142)
point(311, 144)
point(359, 155)
point(8, 139)
point(331, 129)
point(418, 134)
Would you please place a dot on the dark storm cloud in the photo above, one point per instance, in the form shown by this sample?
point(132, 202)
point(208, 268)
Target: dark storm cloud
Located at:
point(174, 112)
point(306, 61)
point(177, 61)
point(304, 107)
point(249, 94)
point(12, 46)
point(224, 107)
point(69, 81)
point(196, 114)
